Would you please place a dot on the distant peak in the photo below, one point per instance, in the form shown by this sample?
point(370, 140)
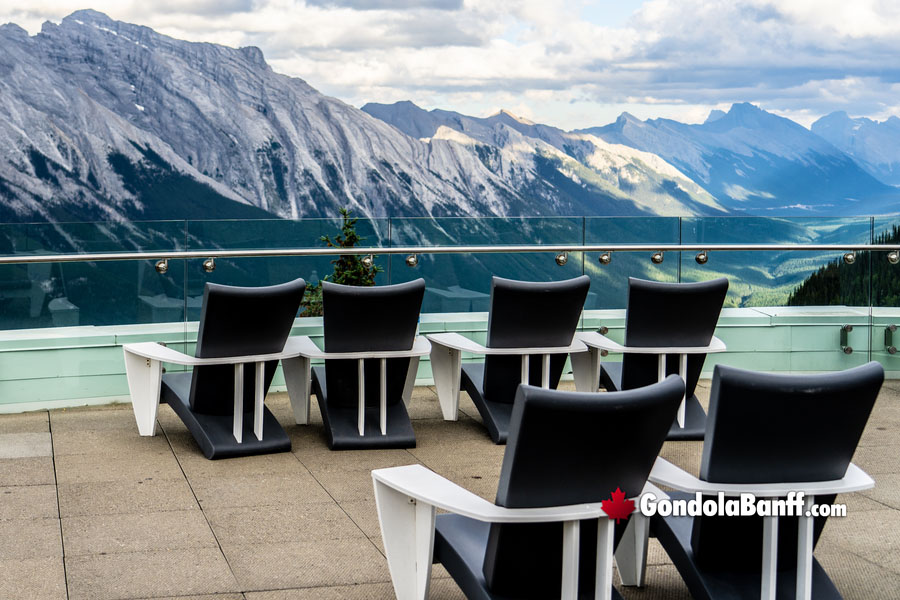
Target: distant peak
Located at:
point(12, 29)
point(745, 108)
point(503, 112)
point(88, 15)
point(714, 115)
point(254, 54)
point(627, 117)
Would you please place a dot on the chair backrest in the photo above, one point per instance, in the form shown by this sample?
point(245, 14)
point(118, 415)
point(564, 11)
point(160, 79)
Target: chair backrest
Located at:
point(240, 321)
point(529, 314)
point(669, 314)
point(569, 448)
point(769, 428)
point(359, 319)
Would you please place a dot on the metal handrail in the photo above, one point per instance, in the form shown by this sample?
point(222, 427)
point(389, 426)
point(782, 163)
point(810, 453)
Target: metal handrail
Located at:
point(365, 251)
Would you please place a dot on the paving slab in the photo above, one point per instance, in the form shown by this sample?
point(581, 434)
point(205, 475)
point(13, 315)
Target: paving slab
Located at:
point(89, 468)
point(30, 422)
point(25, 445)
point(235, 596)
point(33, 578)
point(108, 443)
point(37, 470)
point(148, 574)
point(194, 464)
point(90, 418)
point(661, 582)
point(28, 502)
point(441, 589)
point(30, 538)
point(136, 532)
point(263, 490)
point(317, 522)
point(298, 564)
point(116, 497)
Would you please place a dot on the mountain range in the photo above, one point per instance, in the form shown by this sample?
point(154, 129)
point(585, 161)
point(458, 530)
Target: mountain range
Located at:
point(105, 120)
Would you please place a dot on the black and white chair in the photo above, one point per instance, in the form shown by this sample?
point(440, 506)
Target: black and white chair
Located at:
point(668, 329)
point(531, 326)
point(548, 520)
point(222, 408)
point(772, 436)
point(371, 357)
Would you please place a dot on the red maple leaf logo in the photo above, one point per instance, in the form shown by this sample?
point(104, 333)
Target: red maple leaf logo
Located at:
point(617, 507)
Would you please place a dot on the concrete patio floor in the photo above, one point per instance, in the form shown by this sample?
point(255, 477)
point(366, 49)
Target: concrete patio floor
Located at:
point(90, 510)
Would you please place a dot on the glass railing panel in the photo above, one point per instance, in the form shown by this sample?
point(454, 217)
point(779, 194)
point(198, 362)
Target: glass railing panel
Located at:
point(885, 334)
point(87, 293)
point(272, 234)
point(461, 282)
point(759, 278)
point(815, 303)
point(609, 282)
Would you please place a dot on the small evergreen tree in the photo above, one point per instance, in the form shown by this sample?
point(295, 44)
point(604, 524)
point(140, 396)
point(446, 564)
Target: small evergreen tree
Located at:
point(348, 268)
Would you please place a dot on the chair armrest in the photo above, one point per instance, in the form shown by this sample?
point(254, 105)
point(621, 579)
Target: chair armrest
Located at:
point(665, 473)
point(596, 340)
point(459, 342)
point(428, 487)
point(304, 346)
point(155, 351)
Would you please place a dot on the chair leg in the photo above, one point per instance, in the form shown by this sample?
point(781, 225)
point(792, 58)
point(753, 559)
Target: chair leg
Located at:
point(144, 380)
point(631, 555)
point(446, 364)
point(682, 370)
point(604, 576)
point(407, 528)
point(410, 379)
point(296, 376)
point(237, 428)
point(805, 551)
point(586, 369)
point(571, 547)
point(770, 558)
point(361, 396)
point(382, 396)
point(259, 398)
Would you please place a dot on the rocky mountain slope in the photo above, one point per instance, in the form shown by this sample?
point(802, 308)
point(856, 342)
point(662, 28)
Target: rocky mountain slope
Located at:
point(582, 167)
point(101, 119)
point(875, 145)
point(755, 162)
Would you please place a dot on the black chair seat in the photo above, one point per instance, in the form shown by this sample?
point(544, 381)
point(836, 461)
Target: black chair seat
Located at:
point(214, 433)
point(460, 544)
point(674, 533)
point(664, 315)
point(694, 415)
point(523, 314)
point(494, 415)
point(341, 422)
point(234, 322)
point(367, 319)
point(768, 428)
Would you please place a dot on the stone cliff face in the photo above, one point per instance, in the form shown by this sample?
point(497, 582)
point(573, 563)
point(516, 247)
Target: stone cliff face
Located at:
point(101, 120)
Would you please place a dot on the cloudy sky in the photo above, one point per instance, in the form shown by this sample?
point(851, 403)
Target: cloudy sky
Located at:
point(575, 63)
